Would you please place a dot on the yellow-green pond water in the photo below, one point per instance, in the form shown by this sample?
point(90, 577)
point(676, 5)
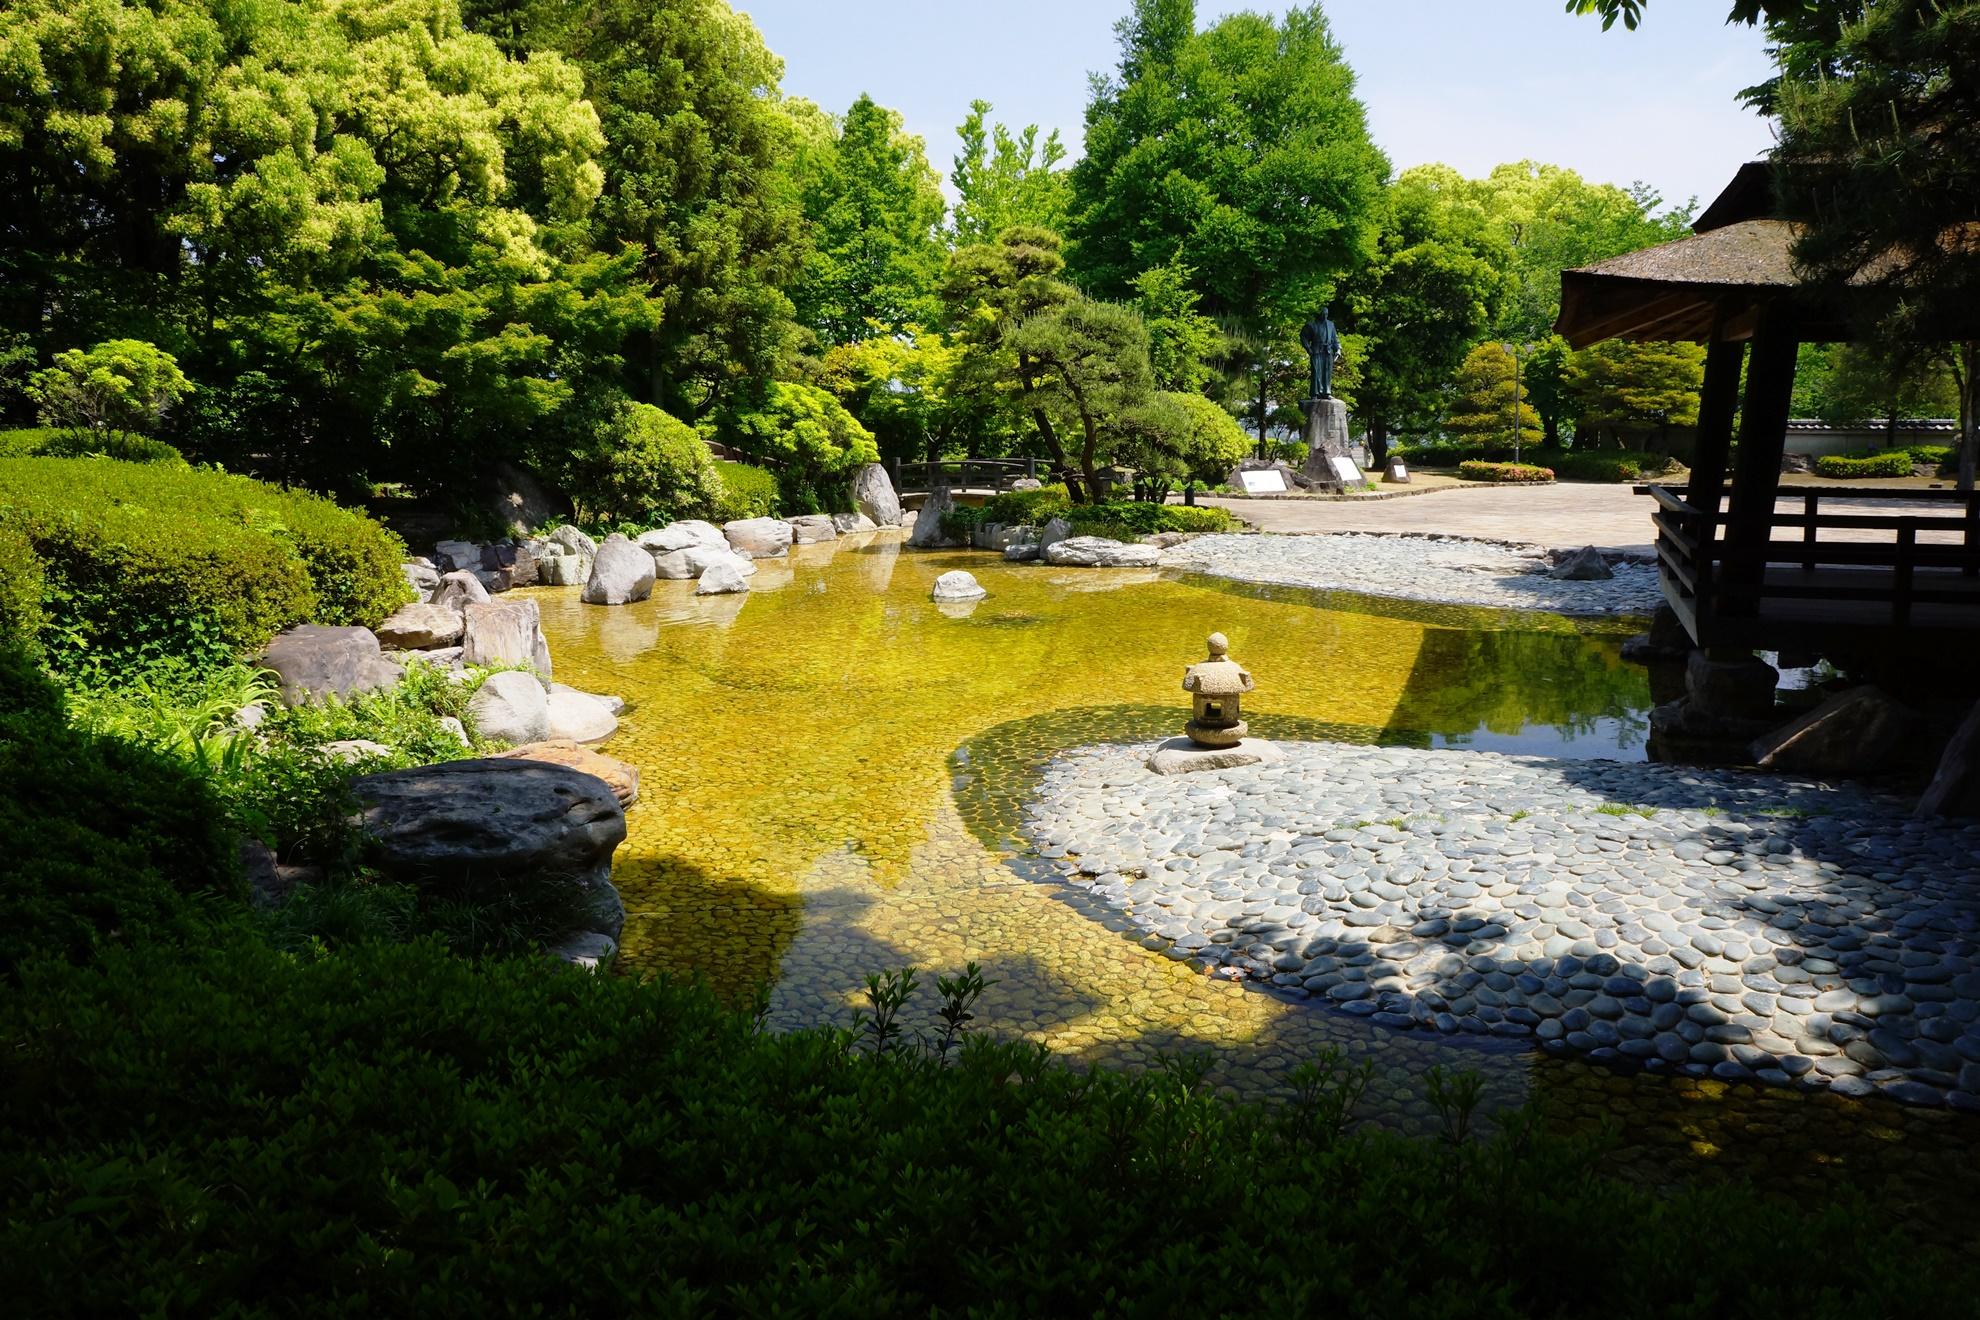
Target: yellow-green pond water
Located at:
point(832, 769)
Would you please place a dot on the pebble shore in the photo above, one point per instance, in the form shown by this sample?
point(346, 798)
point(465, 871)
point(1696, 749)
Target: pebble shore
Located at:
point(1441, 570)
point(1714, 923)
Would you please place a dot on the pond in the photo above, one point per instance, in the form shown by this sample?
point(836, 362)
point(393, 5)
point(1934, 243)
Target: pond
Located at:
point(833, 769)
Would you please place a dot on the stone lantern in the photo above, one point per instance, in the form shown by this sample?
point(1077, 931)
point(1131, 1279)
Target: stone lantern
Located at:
point(1216, 684)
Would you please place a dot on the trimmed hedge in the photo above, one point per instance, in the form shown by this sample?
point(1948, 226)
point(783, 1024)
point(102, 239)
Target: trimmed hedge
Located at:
point(1027, 508)
point(1473, 470)
point(747, 491)
point(1568, 464)
point(1886, 463)
point(21, 587)
point(100, 840)
point(149, 563)
point(389, 1131)
point(1127, 520)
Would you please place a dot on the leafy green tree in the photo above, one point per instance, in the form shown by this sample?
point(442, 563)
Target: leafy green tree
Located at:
point(1240, 152)
point(1636, 391)
point(1003, 178)
point(874, 209)
point(990, 290)
point(1182, 342)
point(696, 146)
point(1178, 438)
point(812, 442)
point(902, 388)
point(1432, 290)
point(1092, 367)
point(1490, 395)
point(1874, 380)
point(118, 389)
point(364, 209)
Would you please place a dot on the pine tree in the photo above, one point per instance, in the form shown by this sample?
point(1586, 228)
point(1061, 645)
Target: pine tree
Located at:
point(1489, 396)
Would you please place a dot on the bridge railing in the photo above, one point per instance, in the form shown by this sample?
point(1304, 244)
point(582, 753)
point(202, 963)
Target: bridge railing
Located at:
point(963, 474)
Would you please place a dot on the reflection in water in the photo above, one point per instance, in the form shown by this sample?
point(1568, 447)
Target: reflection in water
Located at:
point(832, 770)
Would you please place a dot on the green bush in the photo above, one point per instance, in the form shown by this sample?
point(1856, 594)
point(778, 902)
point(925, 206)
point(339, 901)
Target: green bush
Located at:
point(1127, 520)
point(21, 584)
point(1937, 455)
point(1027, 508)
point(1568, 464)
point(101, 840)
point(150, 563)
point(1885, 463)
point(123, 445)
point(639, 466)
point(961, 520)
point(26, 441)
point(747, 492)
point(1474, 470)
point(388, 1130)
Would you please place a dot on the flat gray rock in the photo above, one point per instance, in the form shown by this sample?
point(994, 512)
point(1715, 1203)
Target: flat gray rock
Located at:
point(1180, 756)
point(421, 627)
point(1100, 552)
point(315, 661)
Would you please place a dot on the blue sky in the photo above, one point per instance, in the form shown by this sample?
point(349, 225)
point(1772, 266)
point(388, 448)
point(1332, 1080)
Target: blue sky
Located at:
point(1468, 82)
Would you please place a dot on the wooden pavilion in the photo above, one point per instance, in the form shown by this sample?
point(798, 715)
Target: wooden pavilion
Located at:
point(1846, 573)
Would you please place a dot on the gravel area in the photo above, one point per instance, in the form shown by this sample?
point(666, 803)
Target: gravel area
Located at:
point(1715, 923)
point(1444, 570)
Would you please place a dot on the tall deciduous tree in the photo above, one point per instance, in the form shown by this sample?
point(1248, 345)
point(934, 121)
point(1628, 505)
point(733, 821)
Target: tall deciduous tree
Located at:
point(1240, 151)
point(688, 96)
point(1003, 178)
point(1434, 287)
point(1874, 381)
point(1182, 342)
point(1491, 406)
point(1637, 391)
point(874, 207)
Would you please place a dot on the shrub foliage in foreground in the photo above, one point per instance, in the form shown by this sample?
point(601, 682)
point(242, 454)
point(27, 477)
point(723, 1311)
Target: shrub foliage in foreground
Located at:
point(391, 1129)
point(151, 562)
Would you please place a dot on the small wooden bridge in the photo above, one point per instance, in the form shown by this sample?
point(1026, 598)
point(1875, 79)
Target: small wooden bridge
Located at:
point(964, 476)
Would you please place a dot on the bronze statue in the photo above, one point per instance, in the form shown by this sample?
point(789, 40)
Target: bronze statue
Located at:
point(1322, 344)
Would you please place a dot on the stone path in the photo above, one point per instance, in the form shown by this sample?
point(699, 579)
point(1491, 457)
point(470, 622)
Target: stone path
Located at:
point(1566, 516)
point(1427, 568)
point(1705, 922)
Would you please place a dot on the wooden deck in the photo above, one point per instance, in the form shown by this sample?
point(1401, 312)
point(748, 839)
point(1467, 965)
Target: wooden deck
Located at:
point(1841, 570)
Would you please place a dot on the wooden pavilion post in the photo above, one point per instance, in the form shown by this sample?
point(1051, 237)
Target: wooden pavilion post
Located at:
point(1762, 440)
point(1718, 401)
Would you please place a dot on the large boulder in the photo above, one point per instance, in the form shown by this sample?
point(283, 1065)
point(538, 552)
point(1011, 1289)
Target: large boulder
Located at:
point(620, 777)
point(514, 565)
point(313, 660)
point(505, 632)
point(847, 524)
point(451, 555)
point(663, 540)
point(707, 533)
point(928, 532)
point(459, 589)
point(1857, 732)
point(510, 706)
point(811, 528)
point(518, 499)
point(1955, 788)
point(559, 567)
point(486, 825)
point(579, 717)
point(421, 627)
point(622, 573)
point(1051, 533)
point(873, 495)
point(1099, 552)
point(722, 578)
point(690, 562)
point(759, 538)
point(422, 575)
point(573, 540)
point(957, 585)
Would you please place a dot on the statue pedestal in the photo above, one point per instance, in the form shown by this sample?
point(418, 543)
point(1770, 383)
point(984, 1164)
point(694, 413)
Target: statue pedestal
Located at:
point(1327, 441)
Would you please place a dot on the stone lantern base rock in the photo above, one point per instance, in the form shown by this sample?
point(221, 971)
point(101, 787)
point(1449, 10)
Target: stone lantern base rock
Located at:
point(1179, 756)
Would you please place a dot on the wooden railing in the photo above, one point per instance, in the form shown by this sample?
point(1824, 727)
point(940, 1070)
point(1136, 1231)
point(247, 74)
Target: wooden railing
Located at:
point(963, 474)
point(1722, 586)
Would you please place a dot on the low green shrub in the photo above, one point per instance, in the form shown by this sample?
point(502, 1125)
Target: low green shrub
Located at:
point(26, 441)
point(149, 564)
point(390, 1130)
point(1885, 463)
point(1027, 508)
point(123, 446)
point(638, 466)
point(747, 492)
point(21, 585)
point(1936, 455)
point(1474, 470)
point(1568, 464)
point(101, 840)
point(1127, 520)
point(961, 520)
